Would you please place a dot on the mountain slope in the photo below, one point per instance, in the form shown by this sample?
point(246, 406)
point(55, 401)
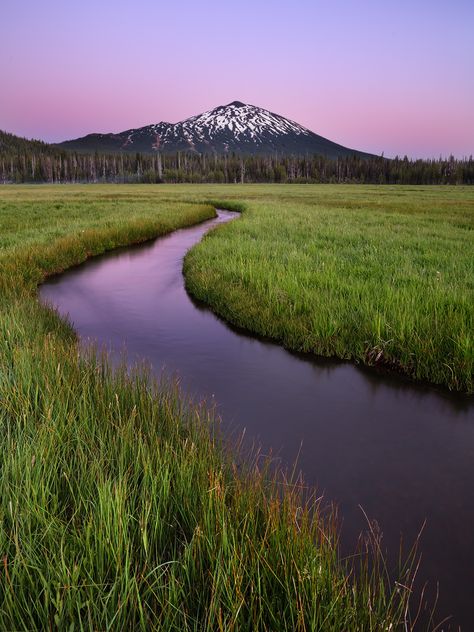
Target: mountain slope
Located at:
point(235, 127)
point(10, 143)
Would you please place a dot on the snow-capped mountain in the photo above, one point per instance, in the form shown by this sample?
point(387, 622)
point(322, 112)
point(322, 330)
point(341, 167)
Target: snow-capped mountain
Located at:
point(235, 127)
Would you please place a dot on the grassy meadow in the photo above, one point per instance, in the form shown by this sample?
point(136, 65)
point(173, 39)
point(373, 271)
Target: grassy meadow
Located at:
point(120, 507)
point(382, 276)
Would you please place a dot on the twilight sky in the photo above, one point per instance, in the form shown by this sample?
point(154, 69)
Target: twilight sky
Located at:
point(392, 76)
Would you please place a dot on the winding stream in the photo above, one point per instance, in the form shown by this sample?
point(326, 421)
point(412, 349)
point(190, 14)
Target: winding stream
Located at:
point(405, 453)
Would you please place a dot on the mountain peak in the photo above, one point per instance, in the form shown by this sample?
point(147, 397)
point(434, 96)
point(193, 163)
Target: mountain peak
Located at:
point(237, 104)
point(233, 128)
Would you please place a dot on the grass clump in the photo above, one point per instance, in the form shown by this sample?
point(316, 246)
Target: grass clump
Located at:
point(379, 275)
point(120, 509)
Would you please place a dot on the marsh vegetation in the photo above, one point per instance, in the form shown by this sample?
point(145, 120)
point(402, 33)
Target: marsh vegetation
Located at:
point(378, 275)
point(120, 505)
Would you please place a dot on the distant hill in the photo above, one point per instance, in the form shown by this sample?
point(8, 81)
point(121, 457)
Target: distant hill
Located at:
point(23, 160)
point(9, 143)
point(233, 128)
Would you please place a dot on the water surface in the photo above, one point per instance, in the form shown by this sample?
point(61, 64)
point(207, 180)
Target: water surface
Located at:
point(404, 453)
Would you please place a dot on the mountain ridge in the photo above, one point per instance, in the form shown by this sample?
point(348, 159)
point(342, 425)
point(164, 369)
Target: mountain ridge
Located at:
point(233, 128)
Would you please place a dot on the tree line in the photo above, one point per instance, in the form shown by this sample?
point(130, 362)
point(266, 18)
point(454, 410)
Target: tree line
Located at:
point(23, 161)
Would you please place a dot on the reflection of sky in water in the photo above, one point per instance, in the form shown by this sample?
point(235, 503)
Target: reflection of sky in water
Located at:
point(404, 453)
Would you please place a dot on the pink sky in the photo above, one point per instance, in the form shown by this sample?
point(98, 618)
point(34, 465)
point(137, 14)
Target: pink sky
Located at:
point(392, 77)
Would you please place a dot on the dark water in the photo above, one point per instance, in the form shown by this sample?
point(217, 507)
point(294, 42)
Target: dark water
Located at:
point(404, 453)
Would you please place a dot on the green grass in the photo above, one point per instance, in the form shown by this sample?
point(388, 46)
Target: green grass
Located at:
point(120, 508)
point(379, 275)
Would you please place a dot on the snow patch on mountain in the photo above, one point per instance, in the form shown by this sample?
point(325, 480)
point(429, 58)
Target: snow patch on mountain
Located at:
point(235, 127)
point(226, 125)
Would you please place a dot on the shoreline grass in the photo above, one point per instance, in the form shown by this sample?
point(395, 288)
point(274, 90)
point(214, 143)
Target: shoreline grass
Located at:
point(120, 508)
point(382, 276)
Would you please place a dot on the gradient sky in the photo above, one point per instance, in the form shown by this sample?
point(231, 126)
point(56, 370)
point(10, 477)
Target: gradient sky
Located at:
point(392, 76)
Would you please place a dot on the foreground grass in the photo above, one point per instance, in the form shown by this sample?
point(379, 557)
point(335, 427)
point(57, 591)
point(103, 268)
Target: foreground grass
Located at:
point(119, 507)
point(379, 275)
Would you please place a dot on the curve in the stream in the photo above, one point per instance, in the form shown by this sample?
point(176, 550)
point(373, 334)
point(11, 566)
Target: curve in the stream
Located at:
point(405, 453)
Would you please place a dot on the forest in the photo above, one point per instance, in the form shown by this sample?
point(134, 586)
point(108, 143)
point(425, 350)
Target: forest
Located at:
point(24, 161)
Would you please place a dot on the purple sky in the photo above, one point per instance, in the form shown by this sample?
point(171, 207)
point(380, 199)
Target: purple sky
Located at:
point(379, 75)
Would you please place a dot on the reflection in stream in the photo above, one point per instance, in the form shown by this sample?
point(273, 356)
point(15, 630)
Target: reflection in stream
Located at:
point(405, 453)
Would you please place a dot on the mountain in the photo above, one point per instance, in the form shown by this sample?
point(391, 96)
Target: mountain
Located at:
point(9, 143)
point(236, 127)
